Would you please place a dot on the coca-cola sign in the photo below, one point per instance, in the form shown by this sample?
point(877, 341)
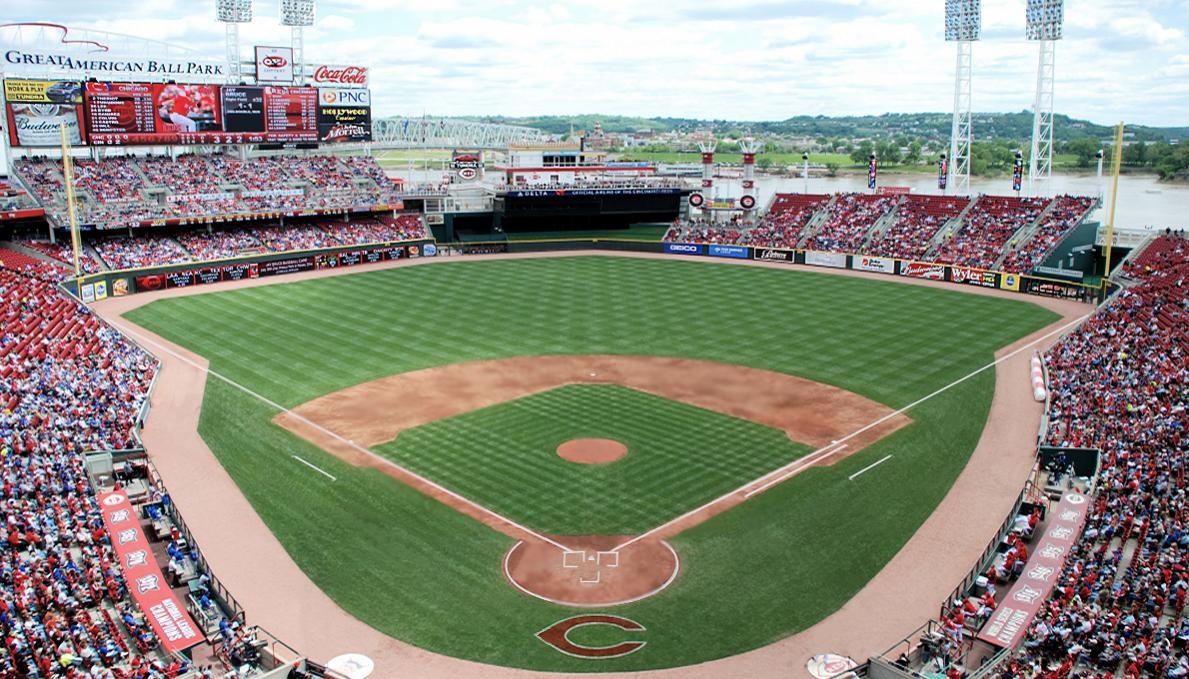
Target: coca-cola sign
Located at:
point(343, 76)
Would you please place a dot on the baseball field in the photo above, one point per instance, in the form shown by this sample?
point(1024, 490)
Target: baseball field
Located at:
point(399, 432)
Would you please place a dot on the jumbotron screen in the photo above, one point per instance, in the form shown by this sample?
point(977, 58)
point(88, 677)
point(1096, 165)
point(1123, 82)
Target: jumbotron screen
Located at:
point(125, 114)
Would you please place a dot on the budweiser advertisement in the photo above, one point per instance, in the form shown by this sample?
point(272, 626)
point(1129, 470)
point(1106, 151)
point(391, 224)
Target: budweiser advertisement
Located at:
point(147, 585)
point(338, 76)
point(38, 109)
point(1009, 622)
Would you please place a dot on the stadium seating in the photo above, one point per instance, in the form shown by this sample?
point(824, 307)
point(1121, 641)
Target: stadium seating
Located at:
point(68, 384)
point(1065, 213)
point(123, 191)
point(915, 225)
point(849, 221)
point(787, 217)
point(988, 229)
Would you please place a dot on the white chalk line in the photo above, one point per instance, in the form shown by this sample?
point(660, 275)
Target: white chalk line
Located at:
point(315, 467)
point(821, 452)
point(124, 327)
point(786, 471)
point(869, 467)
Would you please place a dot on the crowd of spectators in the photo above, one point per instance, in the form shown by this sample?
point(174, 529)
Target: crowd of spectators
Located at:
point(124, 191)
point(988, 229)
point(916, 223)
point(1065, 213)
point(68, 385)
point(134, 252)
point(201, 245)
point(114, 181)
point(13, 197)
point(704, 230)
point(788, 216)
point(849, 221)
point(1119, 384)
point(207, 245)
point(64, 253)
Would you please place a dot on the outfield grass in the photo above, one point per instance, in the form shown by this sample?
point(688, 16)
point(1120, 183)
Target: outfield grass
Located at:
point(679, 457)
point(423, 573)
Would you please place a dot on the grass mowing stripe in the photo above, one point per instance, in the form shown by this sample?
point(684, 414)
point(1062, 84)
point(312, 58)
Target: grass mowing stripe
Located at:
point(442, 587)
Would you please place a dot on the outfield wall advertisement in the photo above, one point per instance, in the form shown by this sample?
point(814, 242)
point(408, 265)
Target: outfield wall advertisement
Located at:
point(928, 270)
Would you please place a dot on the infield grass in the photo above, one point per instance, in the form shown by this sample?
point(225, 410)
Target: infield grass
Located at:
point(769, 567)
point(679, 457)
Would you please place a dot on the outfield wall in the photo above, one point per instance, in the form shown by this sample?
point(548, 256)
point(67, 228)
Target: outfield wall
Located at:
point(94, 287)
point(99, 286)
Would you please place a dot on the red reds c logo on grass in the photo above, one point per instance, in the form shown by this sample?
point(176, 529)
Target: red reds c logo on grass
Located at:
point(557, 636)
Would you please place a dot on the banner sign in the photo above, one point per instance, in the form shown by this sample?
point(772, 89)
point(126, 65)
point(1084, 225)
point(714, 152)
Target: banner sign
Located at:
point(1009, 281)
point(876, 264)
point(986, 279)
point(1037, 286)
point(466, 165)
point(934, 272)
point(105, 65)
point(204, 197)
point(1009, 622)
point(36, 108)
point(344, 115)
point(872, 172)
point(835, 260)
point(683, 248)
point(274, 64)
point(147, 585)
point(1017, 174)
point(772, 255)
point(658, 191)
point(942, 172)
point(732, 251)
point(339, 76)
point(23, 213)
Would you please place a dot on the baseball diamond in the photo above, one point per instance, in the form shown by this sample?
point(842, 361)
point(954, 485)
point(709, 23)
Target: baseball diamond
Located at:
point(765, 568)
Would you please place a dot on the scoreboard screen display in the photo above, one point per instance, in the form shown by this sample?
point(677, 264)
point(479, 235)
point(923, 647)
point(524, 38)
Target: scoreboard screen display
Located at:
point(120, 114)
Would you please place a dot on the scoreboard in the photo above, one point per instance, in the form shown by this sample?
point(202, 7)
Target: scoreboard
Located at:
point(128, 114)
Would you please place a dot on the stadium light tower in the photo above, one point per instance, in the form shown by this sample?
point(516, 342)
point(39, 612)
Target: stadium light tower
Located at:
point(963, 25)
point(297, 14)
point(1046, 19)
point(233, 13)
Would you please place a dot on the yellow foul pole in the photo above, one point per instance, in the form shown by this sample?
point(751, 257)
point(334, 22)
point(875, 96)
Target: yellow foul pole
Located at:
point(1116, 162)
point(68, 171)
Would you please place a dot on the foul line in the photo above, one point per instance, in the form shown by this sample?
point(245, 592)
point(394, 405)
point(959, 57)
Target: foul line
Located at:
point(792, 469)
point(337, 437)
point(869, 467)
point(316, 468)
point(821, 452)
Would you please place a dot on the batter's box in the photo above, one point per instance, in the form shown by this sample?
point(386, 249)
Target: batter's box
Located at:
point(608, 559)
point(573, 558)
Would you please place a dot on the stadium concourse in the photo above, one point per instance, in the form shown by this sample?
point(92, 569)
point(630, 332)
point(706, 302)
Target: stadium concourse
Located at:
point(1002, 233)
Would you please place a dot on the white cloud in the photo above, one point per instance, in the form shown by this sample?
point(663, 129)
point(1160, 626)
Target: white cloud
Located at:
point(746, 59)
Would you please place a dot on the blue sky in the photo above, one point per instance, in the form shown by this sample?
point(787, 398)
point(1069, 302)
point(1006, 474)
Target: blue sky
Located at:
point(743, 60)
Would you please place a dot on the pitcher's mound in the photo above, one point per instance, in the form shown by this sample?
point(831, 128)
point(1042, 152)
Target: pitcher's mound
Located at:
point(591, 451)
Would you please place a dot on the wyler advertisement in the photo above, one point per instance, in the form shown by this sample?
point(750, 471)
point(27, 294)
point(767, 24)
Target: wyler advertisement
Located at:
point(344, 115)
point(37, 109)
